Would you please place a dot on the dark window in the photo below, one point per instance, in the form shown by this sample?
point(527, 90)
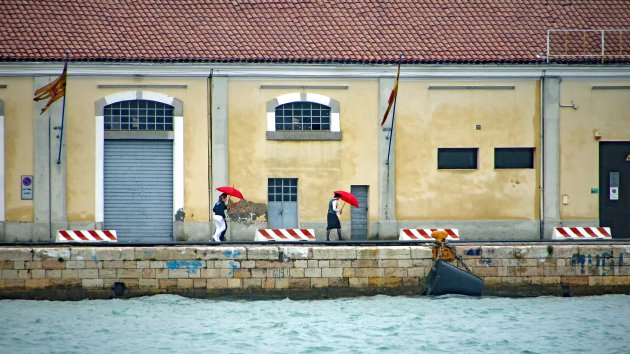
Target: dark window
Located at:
point(282, 189)
point(139, 115)
point(514, 158)
point(457, 158)
point(302, 116)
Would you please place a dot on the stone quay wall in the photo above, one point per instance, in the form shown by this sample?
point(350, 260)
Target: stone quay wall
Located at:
point(73, 272)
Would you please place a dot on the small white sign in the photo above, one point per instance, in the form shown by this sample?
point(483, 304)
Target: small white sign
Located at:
point(614, 193)
point(27, 187)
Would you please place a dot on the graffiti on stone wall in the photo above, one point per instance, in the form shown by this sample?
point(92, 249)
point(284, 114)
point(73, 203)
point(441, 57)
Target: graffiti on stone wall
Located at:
point(599, 264)
point(247, 212)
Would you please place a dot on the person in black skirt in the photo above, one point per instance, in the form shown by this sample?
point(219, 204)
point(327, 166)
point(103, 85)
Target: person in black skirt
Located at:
point(333, 219)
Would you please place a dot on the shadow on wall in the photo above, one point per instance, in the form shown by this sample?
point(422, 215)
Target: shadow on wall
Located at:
point(247, 212)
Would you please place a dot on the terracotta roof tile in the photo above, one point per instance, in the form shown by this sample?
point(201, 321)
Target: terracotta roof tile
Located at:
point(362, 31)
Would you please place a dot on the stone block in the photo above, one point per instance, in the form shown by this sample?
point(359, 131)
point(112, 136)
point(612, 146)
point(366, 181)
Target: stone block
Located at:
point(282, 283)
point(299, 283)
point(403, 263)
point(389, 263)
point(340, 264)
point(69, 274)
point(107, 273)
point(14, 283)
point(148, 273)
point(324, 264)
point(424, 263)
point(312, 264)
point(574, 280)
point(289, 253)
point(338, 282)
point(161, 273)
point(516, 281)
point(131, 273)
point(216, 283)
point(258, 273)
point(101, 254)
point(369, 272)
point(112, 264)
point(185, 284)
point(130, 264)
point(268, 283)
point(485, 271)
point(249, 264)
point(252, 283)
point(70, 282)
point(9, 264)
point(17, 254)
point(266, 252)
point(532, 252)
point(233, 283)
point(148, 283)
point(24, 274)
point(367, 252)
point(75, 264)
point(167, 283)
point(53, 273)
point(53, 264)
point(491, 281)
point(200, 283)
point(384, 282)
point(394, 252)
point(210, 273)
point(313, 273)
point(417, 272)
point(395, 273)
point(242, 273)
point(30, 265)
point(157, 264)
point(300, 264)
point(341, 252)
point(42, 254)
point(18, 265)
point(563, 251)
point(365, 263)
point(421, 252)
point(273, 264)
point(622, 280)
point(297, 272)
point(319, 282)
point(88, 274)
point(143, 264)
point(36, 283)
point(9, 274)
point(348, 272)
point(92, 283)
point(358, 282)
point(497, 252)
point(38, 274)
point(332, 272)
point(411, 282)
point(149, 254)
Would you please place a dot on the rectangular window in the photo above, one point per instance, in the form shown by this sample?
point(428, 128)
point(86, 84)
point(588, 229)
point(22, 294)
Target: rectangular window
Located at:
point(457, 158)
point(282, 189)
point(513, 158)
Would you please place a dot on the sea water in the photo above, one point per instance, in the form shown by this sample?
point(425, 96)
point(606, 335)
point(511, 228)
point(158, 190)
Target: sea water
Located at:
point(383, 324)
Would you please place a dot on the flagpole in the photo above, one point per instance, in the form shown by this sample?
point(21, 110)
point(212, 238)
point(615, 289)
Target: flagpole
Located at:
point(63, 113)
point(391, 132)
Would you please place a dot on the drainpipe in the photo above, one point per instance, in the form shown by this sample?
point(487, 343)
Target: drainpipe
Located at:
point(209, 108)
point(541, 191)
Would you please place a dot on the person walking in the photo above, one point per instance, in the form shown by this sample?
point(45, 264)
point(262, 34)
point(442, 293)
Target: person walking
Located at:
point(333, 219)
point(219, 218)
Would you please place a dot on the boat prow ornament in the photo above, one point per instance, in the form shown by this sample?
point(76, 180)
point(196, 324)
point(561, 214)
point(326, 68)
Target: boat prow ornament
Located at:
point(446, 278)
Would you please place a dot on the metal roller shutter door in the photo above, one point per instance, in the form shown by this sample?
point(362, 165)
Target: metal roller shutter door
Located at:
point(139, 189)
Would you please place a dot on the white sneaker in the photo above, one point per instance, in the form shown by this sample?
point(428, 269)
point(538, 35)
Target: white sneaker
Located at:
point(215, 238)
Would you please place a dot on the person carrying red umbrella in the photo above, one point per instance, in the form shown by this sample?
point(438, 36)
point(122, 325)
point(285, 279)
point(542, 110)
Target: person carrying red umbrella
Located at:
point(219, 211)
point(332, 218)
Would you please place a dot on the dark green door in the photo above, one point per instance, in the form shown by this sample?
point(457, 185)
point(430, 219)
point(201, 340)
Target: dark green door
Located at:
point(614, 185)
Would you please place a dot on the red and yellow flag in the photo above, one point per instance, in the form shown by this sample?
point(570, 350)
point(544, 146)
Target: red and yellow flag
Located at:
point(392, 96)
point(53, 91)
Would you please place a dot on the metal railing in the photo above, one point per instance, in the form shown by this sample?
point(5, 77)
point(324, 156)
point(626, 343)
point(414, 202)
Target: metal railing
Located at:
point(600, 44)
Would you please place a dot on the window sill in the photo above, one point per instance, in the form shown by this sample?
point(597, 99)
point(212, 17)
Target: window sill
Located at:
point(303, 135)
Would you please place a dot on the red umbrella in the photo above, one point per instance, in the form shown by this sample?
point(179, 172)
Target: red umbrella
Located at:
point(348, 198)
point(231, 191)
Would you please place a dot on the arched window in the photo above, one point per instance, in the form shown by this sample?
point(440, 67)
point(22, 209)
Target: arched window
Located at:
point(138, 115)
point(302, 116)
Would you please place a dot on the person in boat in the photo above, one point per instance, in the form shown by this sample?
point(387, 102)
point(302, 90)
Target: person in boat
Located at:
point(333, 218)
point(219, 218)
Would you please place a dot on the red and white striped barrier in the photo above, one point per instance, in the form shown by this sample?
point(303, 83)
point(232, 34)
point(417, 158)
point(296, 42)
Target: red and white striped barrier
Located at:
point(285, 235)
point(86, 236)
point(582, 233)
point(425, 234)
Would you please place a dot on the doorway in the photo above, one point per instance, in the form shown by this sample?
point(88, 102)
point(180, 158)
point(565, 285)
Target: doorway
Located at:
point(614, 184)
point(359, 216)
point(282, 203)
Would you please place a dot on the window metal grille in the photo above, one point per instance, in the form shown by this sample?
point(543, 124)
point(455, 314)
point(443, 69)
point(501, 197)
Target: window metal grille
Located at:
point(282, 189)
point(302, 116)
point(141, 115)
point(513, 158)
point(457, 158)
